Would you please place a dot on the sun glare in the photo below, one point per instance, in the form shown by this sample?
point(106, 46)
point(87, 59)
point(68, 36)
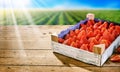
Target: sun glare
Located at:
point(14, 3)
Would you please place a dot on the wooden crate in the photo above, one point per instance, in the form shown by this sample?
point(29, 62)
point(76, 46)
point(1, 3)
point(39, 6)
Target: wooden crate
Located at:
point(82, 55)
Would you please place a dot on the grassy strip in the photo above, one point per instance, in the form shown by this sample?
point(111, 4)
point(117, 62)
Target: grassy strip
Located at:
point(69, 18)
point(61, 18)
point(54, 19)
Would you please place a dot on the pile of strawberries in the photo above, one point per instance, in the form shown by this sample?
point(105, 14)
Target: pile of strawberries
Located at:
point(90, 34)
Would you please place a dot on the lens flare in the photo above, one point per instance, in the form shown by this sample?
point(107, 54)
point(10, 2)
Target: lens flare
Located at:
point(22, 52)
point(14, 3)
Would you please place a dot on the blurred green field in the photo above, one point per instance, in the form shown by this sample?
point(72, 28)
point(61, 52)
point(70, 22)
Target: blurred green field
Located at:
point(49, 17)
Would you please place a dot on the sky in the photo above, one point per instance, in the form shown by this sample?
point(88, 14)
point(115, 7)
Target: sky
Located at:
point(61, 4)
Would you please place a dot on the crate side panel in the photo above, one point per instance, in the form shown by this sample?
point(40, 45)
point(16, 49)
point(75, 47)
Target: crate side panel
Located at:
point(82, 55)
point(108, 52)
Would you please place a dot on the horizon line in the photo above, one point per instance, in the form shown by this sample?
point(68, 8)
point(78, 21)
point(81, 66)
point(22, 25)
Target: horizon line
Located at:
point(61, 9)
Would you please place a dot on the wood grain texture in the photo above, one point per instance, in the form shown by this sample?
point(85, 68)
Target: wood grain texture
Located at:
point(28, 49)
point(41, 69)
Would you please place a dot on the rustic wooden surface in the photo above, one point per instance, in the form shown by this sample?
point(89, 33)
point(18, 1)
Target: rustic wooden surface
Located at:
point(28, 49)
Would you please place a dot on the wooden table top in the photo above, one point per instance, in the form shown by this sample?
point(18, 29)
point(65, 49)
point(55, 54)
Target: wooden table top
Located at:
point(28, 49)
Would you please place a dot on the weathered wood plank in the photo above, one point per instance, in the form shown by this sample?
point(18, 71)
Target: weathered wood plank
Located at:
point(25, 44)
point(29, 58)
point(28, 33)
point(103, 69)
point(57, 69)
point(9, 39)
point(23, 37)
point(41, 69)
point(36, 57)
point(28, 53)
point(47, 57)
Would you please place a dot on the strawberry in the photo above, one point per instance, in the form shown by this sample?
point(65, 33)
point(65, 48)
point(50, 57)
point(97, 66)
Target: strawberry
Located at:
point(90, 34)
point(104, 25)
point(115, 33)
point(93, 40)
point(118, 50)
point(89, 29)
point(107, 36)
point(96, 32)
point(96, 25)
point(84, 47)
point(115, 58)
point(73, 44)
point(82, 33)
point(90, 23)
point(103, 29)
point(72, 33)
point(111, 24)
point(98, 36)
point(60, 40)
point(74, 38)
point(78, 43)
point(111, 29)
point(83, 40)
point(83, 27)
point(77, 31)
point(91, 47)
point(67, 36)
point(106, 42)
point(117, 28)
point(68, 41)
point(99, 23)
point(93, 22)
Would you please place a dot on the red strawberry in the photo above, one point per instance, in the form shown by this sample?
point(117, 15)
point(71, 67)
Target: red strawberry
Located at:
point(115, 58)
point(77, 31)
point(83, 40)
point(90, 23)
point(83, 27)
point(111, 29)
point(106, 42)
point(117, 28)
point(111, 24)
point(74, 38)
point(90, 34)
point(96, 25)
point(89, 29)
point(78, 43)
point(67, 36)
point(104, 25)
point(93, 40)
point(68, 41)
point(103, 29)
point(115, 33)
point(100, 22)
point(98, 36)
point(60, 40)
point(82, 33)
point(108, 36)
point(73, 44)
point(72, 33)
point(91, 47)
point(118, 50)
point(96, 32)
point(93, 22)
point(84, 47)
